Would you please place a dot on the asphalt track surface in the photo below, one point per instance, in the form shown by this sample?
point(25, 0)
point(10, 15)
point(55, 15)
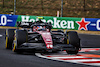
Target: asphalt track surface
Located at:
point(10, 59)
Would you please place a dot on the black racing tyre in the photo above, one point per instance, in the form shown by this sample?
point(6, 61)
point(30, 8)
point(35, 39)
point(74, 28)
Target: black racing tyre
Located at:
point(74, 39)
point(21, 36)
point(9, 38)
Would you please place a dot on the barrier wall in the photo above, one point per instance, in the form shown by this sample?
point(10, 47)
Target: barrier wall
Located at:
point(90, 24)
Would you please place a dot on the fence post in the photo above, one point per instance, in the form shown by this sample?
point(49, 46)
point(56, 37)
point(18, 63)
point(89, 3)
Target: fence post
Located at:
point(14, 7)
point(84, 5)
point(42, 12)
point(57, 13)
point(3, 3)
point(61, 8)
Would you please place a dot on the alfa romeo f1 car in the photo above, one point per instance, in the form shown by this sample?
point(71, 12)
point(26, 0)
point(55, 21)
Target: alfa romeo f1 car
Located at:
point(38, 36)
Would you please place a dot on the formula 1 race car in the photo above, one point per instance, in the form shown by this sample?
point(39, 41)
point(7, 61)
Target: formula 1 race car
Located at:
point(37, 36)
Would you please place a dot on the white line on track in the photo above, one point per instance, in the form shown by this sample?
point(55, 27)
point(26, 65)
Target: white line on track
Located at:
point(79, 59)
point(0, 35)
point(69, 57)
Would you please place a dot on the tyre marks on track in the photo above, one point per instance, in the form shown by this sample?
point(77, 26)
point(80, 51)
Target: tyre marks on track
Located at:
point(80, 58)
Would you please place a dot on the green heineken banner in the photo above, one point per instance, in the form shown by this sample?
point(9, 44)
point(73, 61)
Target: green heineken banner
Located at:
point(92, 24)
point(57, 23)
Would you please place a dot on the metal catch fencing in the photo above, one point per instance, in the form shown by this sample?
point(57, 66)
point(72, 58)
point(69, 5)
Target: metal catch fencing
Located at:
point(71, 8)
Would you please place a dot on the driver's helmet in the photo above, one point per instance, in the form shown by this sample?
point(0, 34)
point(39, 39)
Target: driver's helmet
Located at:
point(37, 28)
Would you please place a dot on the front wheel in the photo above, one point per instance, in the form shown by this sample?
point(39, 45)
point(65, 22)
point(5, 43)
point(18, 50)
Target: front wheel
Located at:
point(21, 36)
point(9, 38)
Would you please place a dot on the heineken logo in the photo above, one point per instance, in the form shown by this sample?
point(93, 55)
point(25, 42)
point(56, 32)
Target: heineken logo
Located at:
point(83, 24)
point(62, 24)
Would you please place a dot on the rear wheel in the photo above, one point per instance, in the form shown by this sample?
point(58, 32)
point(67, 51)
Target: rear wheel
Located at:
point(21, 37)
point(73, 40)
point(9, 38)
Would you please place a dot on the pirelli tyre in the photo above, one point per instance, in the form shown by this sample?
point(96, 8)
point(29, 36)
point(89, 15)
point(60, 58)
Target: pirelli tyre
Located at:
point(21, 36)
point(74, 40)
point(9, 38)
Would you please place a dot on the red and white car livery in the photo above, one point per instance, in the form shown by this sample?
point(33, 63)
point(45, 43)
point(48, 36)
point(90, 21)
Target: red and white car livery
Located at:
point(40, 38)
